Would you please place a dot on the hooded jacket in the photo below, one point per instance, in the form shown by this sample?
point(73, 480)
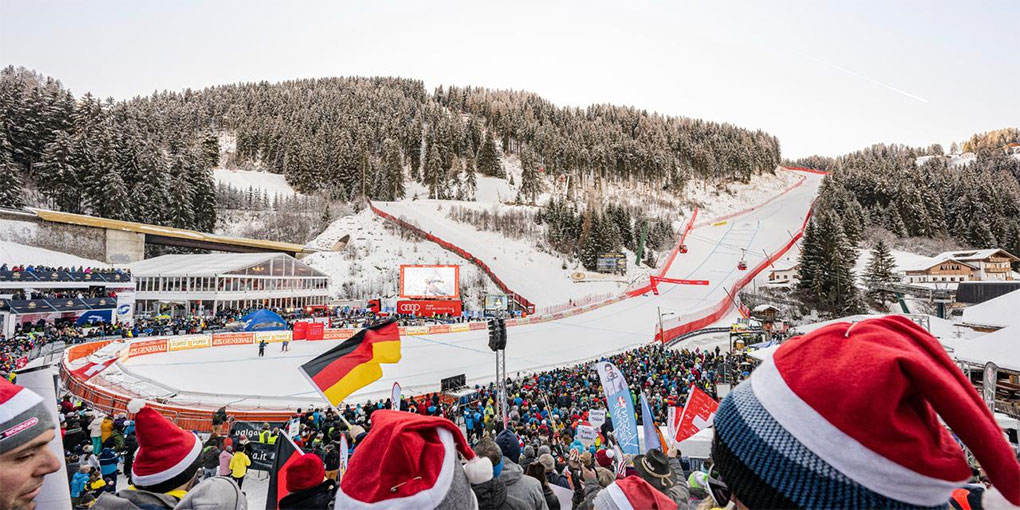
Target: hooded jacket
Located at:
point(315, 498)
point(96, 427)
point(216, 493)
point(492, 495)
point(524, 488)
point(131, 499)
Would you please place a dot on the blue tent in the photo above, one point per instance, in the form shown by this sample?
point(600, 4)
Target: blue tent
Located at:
point(263, 320)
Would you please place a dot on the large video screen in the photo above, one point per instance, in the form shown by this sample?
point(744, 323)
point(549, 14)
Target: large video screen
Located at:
point(430, 282)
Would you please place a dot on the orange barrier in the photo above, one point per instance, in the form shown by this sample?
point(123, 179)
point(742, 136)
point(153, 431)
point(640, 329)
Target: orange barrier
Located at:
point(756, 207)
point(807, 170)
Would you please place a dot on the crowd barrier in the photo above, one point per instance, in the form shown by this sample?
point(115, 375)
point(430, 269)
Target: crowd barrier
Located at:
point(792, 187)
point(527, 305)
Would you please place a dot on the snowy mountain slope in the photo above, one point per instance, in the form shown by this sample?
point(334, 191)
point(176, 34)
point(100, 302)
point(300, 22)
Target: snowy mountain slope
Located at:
point(540, 276)
point(369, 265)
point(272, 184)
point(12, 253)
point(713, 255)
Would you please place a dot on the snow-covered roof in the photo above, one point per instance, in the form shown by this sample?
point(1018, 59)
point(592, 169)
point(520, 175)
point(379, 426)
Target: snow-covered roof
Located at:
point(964, 255)
point(1000, 312)
point(924, 265)
point(1001, 347)
point(762, 308)
point(14, 254)
point(790, 268)
point(212, 264)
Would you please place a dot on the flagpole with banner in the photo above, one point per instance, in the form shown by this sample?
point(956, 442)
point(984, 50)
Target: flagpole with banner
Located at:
point(353, 364)
point(344, 452)
point(620, 405)
point(395, 397)
point(648, 428)
point(286, 452)
point(698, 414)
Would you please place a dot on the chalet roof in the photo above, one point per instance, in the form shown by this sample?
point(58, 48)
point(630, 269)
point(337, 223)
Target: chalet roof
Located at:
point(965, 255)
point(925, 265)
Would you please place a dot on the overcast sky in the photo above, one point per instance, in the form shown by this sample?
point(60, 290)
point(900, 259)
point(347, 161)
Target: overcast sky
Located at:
point(825, 77)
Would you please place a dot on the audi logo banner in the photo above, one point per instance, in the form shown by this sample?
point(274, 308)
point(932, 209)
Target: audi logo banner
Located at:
point(429, 308)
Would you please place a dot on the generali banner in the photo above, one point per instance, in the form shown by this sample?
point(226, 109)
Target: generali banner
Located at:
point(337, 334)
point(219, 339)
point(143, 347)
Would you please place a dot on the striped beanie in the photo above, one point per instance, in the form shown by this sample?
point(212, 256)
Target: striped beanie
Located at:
point(23, 416)
point(848, 417)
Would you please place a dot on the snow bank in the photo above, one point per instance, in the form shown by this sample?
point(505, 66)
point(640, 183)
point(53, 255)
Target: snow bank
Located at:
point(272, 184)
point(12, 253)
point(1000, 312)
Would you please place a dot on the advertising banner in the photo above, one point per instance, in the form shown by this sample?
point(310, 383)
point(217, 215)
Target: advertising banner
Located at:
point(219, 339)
point(337, 334)
point(429, 308)
point(475, 326)
point(429, 282)
point(315, 331)
point(185, 342)
point(458, 328)
point(300, 330)
point(415, 330)
point(441, 328)
point(395, 397)
point(648, 428)
point(496, 302)
point(143, 347)
point(620, 406)
point(272, 336)
point(125, 306)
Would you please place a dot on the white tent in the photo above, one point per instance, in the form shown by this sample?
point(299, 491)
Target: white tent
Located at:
point(699, 446)
point(1000, 312)
point(1001, 347)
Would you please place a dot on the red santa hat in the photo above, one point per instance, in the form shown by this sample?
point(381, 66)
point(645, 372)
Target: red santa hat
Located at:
point(305, 472)
point(23, 416)
point(167, 456)
point(633, 493)
point(862, 400)
point(411, 461)
point(604, 458)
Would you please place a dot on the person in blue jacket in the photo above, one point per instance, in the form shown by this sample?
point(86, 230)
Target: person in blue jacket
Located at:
point(78, 483)
point(108, 460)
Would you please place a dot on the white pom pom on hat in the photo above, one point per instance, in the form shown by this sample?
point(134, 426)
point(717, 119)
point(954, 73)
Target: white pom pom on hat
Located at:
point(135, 405)
point(478, 470)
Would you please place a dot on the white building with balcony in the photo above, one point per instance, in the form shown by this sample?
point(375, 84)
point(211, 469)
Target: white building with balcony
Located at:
point(204, 284)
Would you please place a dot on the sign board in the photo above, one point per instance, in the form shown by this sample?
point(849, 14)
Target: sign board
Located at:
point(496, 302)
point(429, 282)
point(586, 434)
point(597, 417)
point(988, 383)
point(611, 263)
point(272, 336)
point(143, 347)
point(429, 307)
point(185, 342)
point(452, 383)
point(219, 339)
point(125, 305)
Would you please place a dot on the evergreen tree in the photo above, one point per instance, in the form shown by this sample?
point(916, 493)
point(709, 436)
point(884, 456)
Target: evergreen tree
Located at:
point(210, 150)
point(827, 281)
point(393, 168)
point(489, 158)
point(878, 272)
point(10, 183)
point(114, 201)
point(470, 180)
point(531, 185)
point(433, 173)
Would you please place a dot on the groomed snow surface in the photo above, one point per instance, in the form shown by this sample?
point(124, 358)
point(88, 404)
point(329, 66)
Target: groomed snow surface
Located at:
point(713, 254)
point(272, 184)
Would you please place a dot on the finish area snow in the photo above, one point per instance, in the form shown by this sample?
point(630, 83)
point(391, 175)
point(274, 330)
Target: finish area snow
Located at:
point(713, 254)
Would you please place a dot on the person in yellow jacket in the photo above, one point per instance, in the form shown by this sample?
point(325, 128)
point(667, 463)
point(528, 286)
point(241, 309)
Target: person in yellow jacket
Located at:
point(106, 429)
point(239, 466)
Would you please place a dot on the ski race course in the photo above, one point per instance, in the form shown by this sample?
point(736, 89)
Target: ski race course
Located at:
point(234, 375)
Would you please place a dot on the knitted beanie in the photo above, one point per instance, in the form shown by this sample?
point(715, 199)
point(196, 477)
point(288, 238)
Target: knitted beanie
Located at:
point(23, 416)
point(848, 417)
point(509, 444)
point(304, 472)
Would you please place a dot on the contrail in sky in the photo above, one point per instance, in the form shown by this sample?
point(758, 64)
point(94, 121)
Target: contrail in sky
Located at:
point(861, 76)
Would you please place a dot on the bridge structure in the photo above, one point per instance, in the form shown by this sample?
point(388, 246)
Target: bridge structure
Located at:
point(123, 242)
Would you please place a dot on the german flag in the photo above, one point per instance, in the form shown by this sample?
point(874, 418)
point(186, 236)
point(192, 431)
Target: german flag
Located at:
point(354, 364)
point(286, 453)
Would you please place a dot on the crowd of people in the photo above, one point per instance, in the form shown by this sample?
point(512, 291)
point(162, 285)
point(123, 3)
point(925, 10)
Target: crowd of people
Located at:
point(39, 268)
